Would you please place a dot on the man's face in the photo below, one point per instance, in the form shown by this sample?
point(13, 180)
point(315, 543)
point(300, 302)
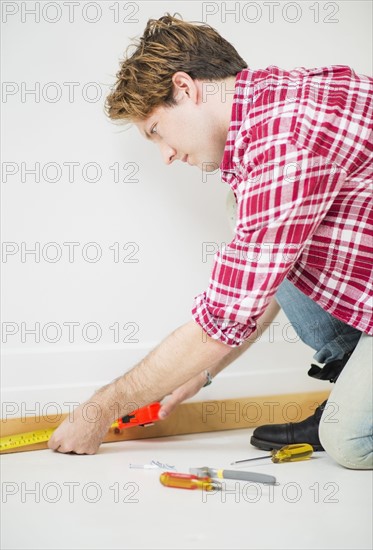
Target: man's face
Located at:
point(187, 131)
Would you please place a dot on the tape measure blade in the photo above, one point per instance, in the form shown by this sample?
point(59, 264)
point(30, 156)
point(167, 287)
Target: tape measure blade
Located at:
point(24, 439)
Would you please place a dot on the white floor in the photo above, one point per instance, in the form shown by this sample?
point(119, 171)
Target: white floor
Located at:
point(317, 503)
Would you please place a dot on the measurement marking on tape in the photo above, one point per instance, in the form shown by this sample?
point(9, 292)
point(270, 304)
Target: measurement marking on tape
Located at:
point(27, 438)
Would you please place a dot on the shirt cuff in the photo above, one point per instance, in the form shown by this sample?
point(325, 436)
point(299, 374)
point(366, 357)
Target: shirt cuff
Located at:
point(229, 332)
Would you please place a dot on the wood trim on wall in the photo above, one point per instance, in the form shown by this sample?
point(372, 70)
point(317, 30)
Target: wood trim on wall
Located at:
point(194, 417)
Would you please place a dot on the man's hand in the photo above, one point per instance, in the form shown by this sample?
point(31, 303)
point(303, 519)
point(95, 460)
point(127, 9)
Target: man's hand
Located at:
point(83, 431)
point(185, 391)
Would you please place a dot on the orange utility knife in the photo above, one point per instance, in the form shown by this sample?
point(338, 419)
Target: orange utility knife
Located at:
point(140, 417)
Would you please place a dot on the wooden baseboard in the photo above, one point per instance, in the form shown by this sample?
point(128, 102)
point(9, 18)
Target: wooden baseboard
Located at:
point(194, 417)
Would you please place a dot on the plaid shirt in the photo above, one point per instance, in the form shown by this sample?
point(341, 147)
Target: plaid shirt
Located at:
point(298, 158)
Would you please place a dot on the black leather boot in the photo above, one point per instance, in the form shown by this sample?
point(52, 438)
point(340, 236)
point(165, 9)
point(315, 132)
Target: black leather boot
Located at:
point(275, 436)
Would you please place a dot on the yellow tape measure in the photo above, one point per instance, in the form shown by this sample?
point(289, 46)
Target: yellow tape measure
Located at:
point(27, 438)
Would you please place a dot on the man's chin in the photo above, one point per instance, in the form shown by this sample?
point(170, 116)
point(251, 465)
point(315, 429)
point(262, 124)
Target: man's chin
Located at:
point(208, 166)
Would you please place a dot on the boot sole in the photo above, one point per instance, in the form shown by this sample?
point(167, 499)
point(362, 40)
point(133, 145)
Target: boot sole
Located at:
point(269, 445)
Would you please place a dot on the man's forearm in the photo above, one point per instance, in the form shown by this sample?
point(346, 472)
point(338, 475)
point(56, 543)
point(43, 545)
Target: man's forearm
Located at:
point(171, 366)
point(183, 354)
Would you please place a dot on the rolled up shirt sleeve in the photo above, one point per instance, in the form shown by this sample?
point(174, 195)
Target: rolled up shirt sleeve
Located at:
point(283, 195)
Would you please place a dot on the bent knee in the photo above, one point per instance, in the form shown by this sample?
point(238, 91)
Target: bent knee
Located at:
point(355, 453)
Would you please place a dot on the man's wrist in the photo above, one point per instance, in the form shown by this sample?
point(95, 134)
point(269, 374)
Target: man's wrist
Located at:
point(112, 405)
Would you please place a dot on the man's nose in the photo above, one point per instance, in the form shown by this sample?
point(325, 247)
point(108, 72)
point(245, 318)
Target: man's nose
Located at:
point(168, 153)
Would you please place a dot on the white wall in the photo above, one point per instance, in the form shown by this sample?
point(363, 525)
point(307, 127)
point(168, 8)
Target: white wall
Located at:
point(168, 212)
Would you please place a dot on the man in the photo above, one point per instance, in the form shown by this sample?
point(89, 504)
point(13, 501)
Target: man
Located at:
point(296, 149)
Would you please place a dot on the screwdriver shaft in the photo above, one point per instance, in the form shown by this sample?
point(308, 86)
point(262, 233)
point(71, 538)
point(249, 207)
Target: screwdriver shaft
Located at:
point(288, 453)
point(250, 459)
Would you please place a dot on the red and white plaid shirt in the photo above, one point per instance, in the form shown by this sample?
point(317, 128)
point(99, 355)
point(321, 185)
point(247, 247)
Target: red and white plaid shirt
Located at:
point(299, 157)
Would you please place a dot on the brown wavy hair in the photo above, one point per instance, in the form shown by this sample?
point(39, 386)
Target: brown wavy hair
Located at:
point(168, 45)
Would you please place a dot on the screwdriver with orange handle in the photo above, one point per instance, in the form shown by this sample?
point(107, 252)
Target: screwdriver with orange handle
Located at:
point(188, 481)
point(289, 453)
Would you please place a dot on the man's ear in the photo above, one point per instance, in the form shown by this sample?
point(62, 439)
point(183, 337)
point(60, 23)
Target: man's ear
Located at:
point(183, 85)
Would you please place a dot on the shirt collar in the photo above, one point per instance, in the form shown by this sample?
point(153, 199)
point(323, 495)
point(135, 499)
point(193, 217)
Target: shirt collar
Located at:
point(241, 102)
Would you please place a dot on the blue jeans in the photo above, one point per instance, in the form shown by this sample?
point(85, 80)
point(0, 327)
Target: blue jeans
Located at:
point(346, 426)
